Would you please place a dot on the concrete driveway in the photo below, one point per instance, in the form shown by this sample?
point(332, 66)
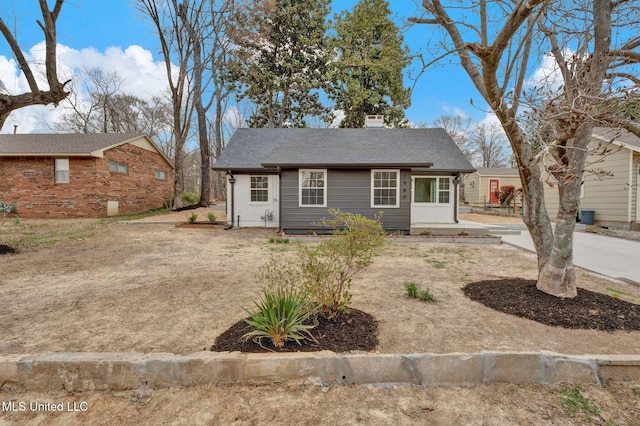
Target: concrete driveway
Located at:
point(614, 257)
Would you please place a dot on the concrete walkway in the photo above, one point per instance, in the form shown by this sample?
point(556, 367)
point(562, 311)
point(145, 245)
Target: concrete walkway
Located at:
point(613, 257)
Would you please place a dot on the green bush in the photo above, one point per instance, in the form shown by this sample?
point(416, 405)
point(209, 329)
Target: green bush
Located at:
point(279, 240)
point(189, 198)
point(192, 217)
point(211, 217)
point(415, 292)
point(427, 296)
point(280, 316)
point(412, 289)
point(324, 271)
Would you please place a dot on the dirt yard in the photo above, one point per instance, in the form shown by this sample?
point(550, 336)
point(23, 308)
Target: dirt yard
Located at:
point(105, 286)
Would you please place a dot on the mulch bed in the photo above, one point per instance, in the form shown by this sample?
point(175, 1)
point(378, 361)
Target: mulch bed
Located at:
point(356, 330)
point(5, 249)
point(515, 296)
point(588, 310)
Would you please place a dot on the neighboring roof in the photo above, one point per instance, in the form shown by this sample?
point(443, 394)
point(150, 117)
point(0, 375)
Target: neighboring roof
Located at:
point(67, 144)
point(618, 136)
point(255, 149)
point(496, 171)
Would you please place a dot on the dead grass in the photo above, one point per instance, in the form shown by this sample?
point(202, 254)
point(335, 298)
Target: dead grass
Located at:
point(104, 286)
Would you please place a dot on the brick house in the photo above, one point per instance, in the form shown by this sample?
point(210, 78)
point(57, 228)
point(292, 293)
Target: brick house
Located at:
point(83, 175)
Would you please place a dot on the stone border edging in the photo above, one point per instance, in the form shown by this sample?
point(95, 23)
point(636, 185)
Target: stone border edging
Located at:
point(80, 371)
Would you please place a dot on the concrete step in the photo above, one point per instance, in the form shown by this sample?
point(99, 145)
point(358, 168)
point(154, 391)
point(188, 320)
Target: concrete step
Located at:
point(449, 229)
point(504, 231)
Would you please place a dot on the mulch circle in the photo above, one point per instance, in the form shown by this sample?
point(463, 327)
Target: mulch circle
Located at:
point(588, 310)
point(5, 249)
point(356, 330)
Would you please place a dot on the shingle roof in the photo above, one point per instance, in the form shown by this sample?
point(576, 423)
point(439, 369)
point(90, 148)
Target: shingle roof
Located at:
point(253, 149)
point(620, 136)
point(77, 144)
point(496, 171)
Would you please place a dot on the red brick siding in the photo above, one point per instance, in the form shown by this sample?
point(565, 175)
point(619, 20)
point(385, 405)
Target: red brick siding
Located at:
point(29, 184)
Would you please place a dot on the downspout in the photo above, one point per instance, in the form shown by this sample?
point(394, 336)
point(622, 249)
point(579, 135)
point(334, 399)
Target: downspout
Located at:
point(456, 183)
point(232, 181)
point(279, 200)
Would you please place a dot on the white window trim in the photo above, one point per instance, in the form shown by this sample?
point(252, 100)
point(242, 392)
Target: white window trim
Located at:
point(61, 165)
point(260, 203)
point(324, 203)
point(387, 206)
point(413, 195)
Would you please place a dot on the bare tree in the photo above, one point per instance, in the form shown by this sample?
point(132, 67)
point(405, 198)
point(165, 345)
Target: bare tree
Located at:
point(594, 48)
point(207, 22)
point(460, 129)
point(489, 145)
point(99, 106)
point(56, 91)
point(174, 42)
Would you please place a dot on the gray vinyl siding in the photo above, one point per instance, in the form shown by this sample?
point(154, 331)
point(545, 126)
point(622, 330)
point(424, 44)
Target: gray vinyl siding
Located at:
point(348, 190)
point(609, 196)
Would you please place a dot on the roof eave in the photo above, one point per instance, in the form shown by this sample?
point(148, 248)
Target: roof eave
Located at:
point(348, 165)
point(47, 154)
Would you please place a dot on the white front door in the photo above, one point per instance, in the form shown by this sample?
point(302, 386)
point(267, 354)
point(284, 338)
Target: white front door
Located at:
point(431, 199)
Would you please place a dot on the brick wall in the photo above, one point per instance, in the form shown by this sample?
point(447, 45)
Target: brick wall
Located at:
point(29, 184)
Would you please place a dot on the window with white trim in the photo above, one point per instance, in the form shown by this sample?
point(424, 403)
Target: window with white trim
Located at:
point(259, 189)
point(117, 167)
point(160, 174)
point(62, 170)
point(432, 190)
point(313, 188)
point(385, 187)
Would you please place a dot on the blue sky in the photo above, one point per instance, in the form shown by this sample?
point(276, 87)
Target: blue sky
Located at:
point(102, 33)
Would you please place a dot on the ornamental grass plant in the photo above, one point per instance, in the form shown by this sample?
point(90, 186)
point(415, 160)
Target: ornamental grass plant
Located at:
point(280, 315)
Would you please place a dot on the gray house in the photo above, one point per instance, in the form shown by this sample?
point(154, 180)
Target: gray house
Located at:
point(289, 178)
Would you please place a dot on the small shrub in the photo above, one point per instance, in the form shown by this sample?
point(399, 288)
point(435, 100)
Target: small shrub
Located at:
point(211, 217)
point(412, 289)
point(190, 197)
point(427, 296)
point(279, 240)
point(415, 292)
point(324, 272)
point(280, 316)
point(192, 217)
point(6, 207)
point(505, 194)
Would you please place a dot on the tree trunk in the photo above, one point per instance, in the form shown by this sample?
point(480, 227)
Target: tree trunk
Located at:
point(205, 158)
point(179, 176)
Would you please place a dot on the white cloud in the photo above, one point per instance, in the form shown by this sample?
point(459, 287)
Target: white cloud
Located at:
point(233, 117)
point(143, 77)
point(547, 76)
point(455, 111)
point(490, 119)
